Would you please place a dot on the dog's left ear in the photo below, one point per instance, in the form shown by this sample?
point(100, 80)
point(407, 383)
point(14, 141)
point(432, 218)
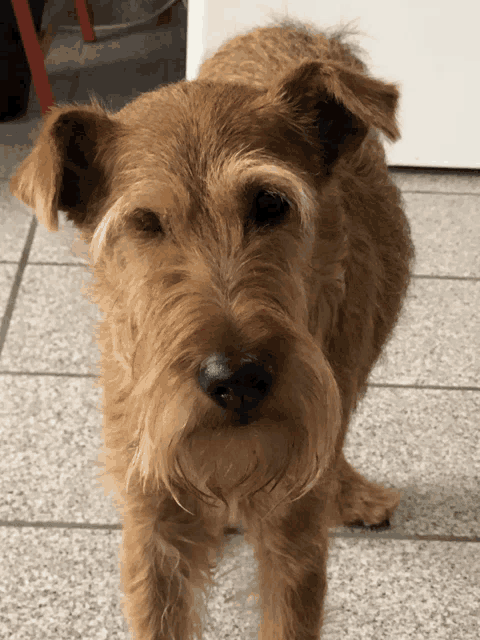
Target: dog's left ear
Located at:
point(341, 102)
point(65, 170)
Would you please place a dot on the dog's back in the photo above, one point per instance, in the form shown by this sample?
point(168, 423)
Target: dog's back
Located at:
point(259, 56)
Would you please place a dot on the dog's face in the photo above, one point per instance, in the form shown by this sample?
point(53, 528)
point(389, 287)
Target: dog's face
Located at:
point(218, 243)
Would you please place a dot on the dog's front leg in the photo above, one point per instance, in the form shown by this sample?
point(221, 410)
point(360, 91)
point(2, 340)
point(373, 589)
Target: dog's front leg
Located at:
point(292, 557)
point(165, 568)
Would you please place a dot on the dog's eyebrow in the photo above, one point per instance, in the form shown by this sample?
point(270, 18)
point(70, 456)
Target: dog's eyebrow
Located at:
point(285, 182)
point(257, 168)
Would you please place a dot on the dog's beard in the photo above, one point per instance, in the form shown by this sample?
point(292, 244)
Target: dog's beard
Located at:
point(234, 463)
point(185, 444)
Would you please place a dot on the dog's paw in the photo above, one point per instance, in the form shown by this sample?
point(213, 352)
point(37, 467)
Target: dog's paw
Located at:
point(360, 524)
point(362, 503)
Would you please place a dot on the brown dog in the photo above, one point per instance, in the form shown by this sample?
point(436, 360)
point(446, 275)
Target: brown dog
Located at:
point(250, 256)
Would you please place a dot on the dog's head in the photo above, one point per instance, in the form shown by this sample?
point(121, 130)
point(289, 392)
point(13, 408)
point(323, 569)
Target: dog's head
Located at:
point(215, 225)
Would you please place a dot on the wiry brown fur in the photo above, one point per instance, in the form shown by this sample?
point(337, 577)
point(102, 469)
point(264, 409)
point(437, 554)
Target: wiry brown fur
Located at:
point(168, 194)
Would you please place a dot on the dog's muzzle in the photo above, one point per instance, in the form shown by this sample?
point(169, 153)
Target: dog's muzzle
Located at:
point(236, 387)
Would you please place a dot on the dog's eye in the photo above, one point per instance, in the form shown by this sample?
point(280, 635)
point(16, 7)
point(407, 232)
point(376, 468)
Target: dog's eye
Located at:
point(268, 209)
point(146, 222)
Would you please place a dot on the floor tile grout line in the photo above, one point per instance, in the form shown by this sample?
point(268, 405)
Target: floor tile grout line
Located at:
point(372, 385)
point(345, 534)
point(84, 265)
point(420, 276)
point(53, 374)
point(52, 524)
point(429, 192)
point(391, 535)
point(41, 263)
point(428, 387)
point(22, 264)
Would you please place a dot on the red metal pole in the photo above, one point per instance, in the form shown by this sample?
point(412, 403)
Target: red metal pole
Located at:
point(35, 57)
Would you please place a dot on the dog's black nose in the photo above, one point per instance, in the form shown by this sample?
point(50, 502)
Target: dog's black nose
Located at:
point(235, 387)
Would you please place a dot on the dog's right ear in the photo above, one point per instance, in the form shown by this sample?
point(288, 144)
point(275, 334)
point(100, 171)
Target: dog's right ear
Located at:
point(66, 170)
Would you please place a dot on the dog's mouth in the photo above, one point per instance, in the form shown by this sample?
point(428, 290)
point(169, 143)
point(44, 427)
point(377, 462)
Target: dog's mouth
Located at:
point(259, 416)
point(241, 407)
point(239, 415)
point(235, 465)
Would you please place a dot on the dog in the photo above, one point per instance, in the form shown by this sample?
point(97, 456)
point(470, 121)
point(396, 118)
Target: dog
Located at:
point(250, 258)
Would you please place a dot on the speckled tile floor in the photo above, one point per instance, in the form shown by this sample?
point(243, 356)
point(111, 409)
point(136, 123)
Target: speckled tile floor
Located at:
point(417, 428)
